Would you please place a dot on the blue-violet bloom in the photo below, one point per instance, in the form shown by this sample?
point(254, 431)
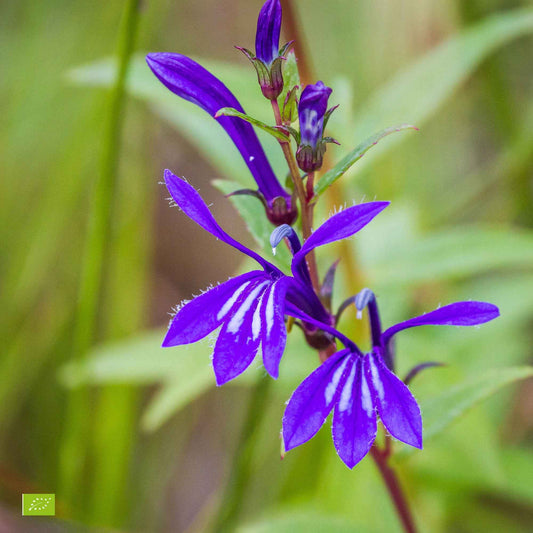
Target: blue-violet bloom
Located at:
point(194, 83)
point(357, 386)
point(251, 307)
point(313, 115)
point(268, 58)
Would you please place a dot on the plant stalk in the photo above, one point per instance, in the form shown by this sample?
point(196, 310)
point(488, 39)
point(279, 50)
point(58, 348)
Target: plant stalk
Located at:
point(381, 458)
point(76, 430)
point(241, 466)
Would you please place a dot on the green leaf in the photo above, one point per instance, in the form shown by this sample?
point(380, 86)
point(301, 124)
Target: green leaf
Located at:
point(452, 254)
point(291, 79)
point(302, 522)
point(416, 93)
point(139, 360)
point(272, 130)
point(174, 395)
point(332, 175)
point(440, 412)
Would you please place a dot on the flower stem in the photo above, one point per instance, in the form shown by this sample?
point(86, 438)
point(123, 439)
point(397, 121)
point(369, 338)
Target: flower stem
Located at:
point(240, 470)
point(306, 209)
point(381, 458)
point(75, 438)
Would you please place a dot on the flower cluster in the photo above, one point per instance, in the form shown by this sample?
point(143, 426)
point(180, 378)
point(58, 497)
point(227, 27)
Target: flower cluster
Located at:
point(252, 309)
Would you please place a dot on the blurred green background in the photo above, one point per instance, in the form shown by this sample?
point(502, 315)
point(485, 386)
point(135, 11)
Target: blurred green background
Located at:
point(157, 439)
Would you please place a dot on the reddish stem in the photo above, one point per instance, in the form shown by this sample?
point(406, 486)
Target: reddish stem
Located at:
point(394, 488)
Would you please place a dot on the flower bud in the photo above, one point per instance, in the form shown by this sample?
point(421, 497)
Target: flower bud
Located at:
point(312, 110)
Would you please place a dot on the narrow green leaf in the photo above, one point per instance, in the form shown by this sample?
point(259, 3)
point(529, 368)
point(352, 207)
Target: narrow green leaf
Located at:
point(272, 130)
point(332, 175)
point(174, 395)
point(299, 521)
point(291, 79)
point(417, 92)
point(452, 254)
point(440, 412)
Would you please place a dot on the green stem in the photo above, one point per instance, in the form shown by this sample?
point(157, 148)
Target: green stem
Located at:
point(73, 449)
point(241, 467)
point(306, 210)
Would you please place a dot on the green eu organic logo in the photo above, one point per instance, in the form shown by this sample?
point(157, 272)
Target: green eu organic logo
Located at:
point(38, 504)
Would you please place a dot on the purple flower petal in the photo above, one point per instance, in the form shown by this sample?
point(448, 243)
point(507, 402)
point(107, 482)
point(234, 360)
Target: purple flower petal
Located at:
point(456, 314)
point(339, 226)
point(397, 407)
point(192, 82)
point(191, 203)
point(313, 400)
point(206, 312)
point(240, 336)
point(354, 418)
point(311, 110)
point(268, 30)
point(274, 334)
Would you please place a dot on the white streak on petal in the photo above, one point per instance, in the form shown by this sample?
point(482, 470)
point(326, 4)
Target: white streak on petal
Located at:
point(227, 306)
point(237, 319)
point(378, 385)
point(332, 385)
point(346, 394)
point(269, 312)
point(366, 397)
point(256, 320)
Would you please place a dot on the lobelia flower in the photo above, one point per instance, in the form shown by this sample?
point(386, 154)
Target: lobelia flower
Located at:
point(356, 386)
point(313, 116)
point(194, 83)
point(251, 307)
point(268, 58)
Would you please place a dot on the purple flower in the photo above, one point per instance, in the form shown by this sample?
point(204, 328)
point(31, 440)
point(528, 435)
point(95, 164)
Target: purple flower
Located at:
point(268, 30)
point(251, 307)
point(313, 113)
point(357, 387)
point(192, 82)
point(268, 58)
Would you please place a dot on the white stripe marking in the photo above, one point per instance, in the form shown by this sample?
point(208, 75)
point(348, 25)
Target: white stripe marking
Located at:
point(332, 385)
point(238, 318)
point(346, 394)
point(229, 303)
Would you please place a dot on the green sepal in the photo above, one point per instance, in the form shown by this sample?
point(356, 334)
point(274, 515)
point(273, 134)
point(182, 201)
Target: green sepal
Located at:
point(328, 114)
point(284, 49)
point(295, 134)
point(275, 131)
point(289, 111)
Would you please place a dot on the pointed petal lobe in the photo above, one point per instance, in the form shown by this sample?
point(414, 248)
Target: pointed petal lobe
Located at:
point(313, 400)
point(456, 314)
point(354, 419)
point(273, 332)
point(340, 226)
point(397, 407)
point(206, 312)
point(192, 204)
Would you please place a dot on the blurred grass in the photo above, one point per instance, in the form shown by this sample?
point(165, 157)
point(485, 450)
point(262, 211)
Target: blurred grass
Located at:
point(470, 164)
